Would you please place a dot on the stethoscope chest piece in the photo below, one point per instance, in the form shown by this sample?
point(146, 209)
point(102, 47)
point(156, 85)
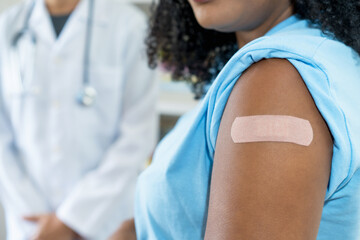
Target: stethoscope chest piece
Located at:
point(87, 96)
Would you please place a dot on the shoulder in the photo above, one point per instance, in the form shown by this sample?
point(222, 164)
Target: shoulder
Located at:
point(275, 87)
point(307, 74)
point(293, 62)
point(272, 86)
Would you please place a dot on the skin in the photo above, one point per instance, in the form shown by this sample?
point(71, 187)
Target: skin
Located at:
point(248, 19)
point(61, 7)
point(264, 190)
point(49, 226)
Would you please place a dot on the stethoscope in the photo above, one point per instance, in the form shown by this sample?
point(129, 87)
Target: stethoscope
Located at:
point(87, 94)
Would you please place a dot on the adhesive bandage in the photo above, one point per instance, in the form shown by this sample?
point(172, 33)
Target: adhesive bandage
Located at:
point(272, 128)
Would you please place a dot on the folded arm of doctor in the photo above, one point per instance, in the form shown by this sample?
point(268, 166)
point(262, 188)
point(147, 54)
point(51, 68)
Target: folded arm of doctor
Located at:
point(104, 197)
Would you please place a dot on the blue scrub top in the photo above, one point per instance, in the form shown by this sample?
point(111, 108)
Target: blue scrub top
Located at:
point(172, 194)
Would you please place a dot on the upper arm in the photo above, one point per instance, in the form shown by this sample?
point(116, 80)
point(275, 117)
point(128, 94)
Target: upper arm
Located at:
point(269, 190)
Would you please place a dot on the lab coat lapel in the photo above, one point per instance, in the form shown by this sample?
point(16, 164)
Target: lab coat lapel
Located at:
point(77, 23)
point(72, 28)
point(40, 23)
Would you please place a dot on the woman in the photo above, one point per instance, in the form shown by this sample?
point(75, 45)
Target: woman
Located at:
point(296, 60)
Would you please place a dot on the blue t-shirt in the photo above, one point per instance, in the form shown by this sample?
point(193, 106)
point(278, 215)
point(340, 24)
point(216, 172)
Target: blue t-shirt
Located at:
point(172, 194)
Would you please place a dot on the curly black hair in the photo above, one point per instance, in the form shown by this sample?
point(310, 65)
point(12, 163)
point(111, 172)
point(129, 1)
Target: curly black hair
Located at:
point(197, 55)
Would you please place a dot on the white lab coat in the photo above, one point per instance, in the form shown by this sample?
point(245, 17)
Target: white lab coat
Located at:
point(57, 156)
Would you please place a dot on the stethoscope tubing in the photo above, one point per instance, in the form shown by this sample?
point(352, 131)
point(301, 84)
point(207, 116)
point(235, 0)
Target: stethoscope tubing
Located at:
point(88, 43)
point(87, 94)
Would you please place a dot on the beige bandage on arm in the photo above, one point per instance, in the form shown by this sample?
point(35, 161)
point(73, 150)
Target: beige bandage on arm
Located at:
point(272, 128)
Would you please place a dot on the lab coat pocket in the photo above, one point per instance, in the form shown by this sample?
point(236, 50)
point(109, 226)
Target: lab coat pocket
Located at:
point(18, 78)
point(17, 94)
point(20, 94)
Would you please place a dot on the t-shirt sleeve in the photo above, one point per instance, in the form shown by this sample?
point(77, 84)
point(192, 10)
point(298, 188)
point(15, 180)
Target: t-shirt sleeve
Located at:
point(318, 85)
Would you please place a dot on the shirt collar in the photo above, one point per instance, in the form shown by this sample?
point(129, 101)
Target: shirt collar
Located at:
point(287, 22)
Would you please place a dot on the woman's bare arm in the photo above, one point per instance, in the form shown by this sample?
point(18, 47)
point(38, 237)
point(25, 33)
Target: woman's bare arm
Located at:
point(269, 190)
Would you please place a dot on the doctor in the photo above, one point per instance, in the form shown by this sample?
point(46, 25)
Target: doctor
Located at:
point(77, 117)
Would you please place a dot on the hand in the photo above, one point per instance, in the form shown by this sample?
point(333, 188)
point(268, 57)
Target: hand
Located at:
point(51, 228)
point(125, 232)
